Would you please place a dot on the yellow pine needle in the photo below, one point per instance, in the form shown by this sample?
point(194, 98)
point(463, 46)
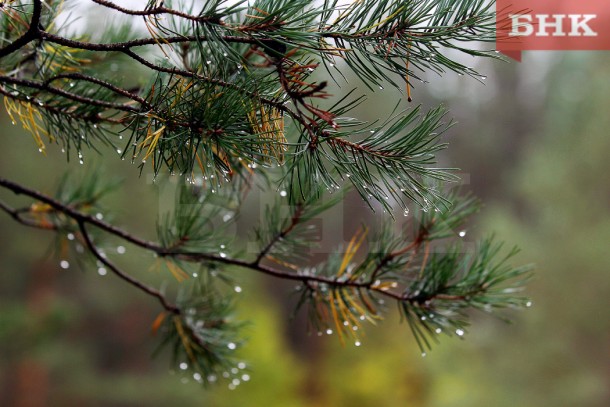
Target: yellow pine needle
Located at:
point(409, 99)
point(346, 12)
point(270, 128)
point(57, 12)
point(384, 286)
point(352, 248)
point(258, 17)
point(281, 262)
point(338, 324)
point(351, 302)
point(29, 116)
point(367, 304)
point(158, 39)
point(223, 156)
point(179, 274)
point(200, 163)
point(13, 16)
point(182, 88)
point(425, 260)
point(391, 16)
point(68, 58)
point(186, 342)
point(153, 139)
point(157, 322)
point(347, 316)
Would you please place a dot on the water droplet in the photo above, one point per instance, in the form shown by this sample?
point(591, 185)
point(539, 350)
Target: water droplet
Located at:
point(241, 365)
point(483, 77)
point(208, 62)
point(459, 332)
point(357, 343)
point(195, 275)
point(224, 54)
point(118, 150)
point(70, 236)
point(227, 217)
point(239, 66)
point(72, 84)
point(234, 370)
point(438, 330)
point(95, 126)
point(283, 193)
point(99, 216)
point(423, 318)
point(231, 346)
point(222, 254)
point(245, 377)
point(329, 332)
point(381, 87)
point(183, 366)
point(40, 103)
point(40, 150)
point(211, 378)
point(362, 317)
point(13, 121)
point(102, 271)
point(64, 264)
point(197, 377)
point(528, 304)
point(462, 233)
point(120, 249)
point(406, 212)
point(237, 289)
point(423, 354)
point(81, 162)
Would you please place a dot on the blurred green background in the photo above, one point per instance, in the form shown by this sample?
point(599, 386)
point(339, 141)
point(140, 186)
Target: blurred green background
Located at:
point(532, 142)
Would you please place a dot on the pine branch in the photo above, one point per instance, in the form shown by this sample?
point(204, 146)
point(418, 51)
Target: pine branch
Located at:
point(228, 94)
point(415, 297)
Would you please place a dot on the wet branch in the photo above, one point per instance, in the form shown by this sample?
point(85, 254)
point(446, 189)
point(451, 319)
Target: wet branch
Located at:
point(83, 219)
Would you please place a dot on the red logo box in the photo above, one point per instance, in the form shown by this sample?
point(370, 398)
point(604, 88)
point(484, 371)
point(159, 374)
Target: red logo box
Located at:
point(523, 25)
